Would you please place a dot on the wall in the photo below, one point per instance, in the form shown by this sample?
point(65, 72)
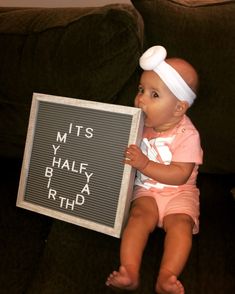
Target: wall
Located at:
point(57, 3)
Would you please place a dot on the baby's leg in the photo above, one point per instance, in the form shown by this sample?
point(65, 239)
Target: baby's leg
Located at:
point(142, 221)
point(177, 246)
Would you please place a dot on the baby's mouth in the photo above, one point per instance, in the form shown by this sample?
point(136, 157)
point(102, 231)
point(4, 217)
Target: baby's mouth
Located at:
point(143, 112)
point(144, 116)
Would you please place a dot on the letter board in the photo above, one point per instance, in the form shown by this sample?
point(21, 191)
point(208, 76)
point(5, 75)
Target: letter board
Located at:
point(73, 161)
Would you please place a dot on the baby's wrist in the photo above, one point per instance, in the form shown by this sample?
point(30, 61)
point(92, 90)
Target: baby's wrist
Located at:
point(144, 165)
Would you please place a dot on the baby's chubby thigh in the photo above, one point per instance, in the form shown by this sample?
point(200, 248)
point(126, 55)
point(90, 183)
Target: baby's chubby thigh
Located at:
point(144, 210)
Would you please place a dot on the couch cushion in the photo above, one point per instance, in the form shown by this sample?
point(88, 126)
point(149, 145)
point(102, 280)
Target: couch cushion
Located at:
point(202, 32)
point(87, 53)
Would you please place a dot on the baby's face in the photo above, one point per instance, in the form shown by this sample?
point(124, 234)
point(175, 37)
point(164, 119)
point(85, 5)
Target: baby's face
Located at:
point(156, 100)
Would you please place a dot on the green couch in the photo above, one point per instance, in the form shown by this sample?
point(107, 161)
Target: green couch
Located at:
point(92, 53)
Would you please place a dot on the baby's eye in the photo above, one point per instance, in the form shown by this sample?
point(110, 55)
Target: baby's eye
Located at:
point(155, 94)
point(140, 90)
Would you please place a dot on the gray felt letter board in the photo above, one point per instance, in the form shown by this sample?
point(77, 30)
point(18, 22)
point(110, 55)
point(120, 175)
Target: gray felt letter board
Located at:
point(73, 161)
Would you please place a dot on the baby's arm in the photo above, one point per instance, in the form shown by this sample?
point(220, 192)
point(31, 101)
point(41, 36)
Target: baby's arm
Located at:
point(176, 173)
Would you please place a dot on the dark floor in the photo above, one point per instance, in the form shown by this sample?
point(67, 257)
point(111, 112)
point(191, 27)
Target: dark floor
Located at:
point(39, 255)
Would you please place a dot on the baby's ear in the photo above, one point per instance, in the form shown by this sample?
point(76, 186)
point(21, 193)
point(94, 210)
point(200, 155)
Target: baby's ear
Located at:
point(181, 108)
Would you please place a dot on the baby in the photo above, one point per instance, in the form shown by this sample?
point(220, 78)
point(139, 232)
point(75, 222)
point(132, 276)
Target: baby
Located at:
point(165, 192)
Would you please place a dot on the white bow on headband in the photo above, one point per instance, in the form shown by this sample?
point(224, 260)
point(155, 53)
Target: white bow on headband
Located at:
point(154, 59)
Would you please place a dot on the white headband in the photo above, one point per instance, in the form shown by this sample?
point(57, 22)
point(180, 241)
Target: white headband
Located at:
point(153, 59)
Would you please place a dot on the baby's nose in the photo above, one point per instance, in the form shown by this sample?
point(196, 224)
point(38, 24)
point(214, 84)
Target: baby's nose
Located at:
point(139, 103)
point(143, 98)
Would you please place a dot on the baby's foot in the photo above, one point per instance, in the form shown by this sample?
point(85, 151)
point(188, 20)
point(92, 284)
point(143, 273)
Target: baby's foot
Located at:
point(124, 279)
point(169, 284)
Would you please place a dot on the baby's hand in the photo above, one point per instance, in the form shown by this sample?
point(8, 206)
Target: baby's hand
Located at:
point(135, 157)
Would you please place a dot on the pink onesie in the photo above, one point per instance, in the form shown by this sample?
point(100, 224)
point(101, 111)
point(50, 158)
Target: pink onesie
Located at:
point(181, 144)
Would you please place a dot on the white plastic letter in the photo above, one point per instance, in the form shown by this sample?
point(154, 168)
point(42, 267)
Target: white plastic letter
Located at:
point(80, 199)
point(52, 194)
point(49, 172)
point(61, 139)
point(55, 148)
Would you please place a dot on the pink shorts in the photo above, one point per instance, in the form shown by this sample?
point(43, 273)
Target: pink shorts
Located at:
point(173, 201)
